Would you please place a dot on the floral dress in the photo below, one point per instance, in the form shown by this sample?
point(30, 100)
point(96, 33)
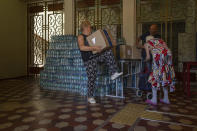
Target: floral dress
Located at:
point(162, 74)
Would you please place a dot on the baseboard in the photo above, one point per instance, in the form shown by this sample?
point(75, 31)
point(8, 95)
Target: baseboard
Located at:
point(18, 77)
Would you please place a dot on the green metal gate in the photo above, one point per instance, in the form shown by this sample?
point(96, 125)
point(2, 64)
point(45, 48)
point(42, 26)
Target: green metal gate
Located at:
point(101, 14)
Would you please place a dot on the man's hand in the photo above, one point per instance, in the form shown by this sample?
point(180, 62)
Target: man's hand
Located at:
point(147, 58)
point(138, 45)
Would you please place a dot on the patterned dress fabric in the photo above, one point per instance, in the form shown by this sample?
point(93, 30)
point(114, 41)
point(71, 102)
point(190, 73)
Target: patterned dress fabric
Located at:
point(162, 74)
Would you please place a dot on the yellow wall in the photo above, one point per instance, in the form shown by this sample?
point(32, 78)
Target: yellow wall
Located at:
point(13, 38)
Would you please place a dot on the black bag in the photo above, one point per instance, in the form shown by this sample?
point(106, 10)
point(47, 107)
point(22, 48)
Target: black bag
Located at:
point(144, 85)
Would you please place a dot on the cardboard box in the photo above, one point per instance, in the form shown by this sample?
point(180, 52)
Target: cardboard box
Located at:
point(129, 52)
point(102, 38)
point(136, 53)
point(125, 52)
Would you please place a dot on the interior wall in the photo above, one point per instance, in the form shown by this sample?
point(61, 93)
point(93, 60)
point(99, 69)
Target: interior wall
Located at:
point(13, 34)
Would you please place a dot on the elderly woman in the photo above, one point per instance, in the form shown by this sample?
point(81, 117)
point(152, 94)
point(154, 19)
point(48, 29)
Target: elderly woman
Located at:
point(162, 74)
point(91, 60)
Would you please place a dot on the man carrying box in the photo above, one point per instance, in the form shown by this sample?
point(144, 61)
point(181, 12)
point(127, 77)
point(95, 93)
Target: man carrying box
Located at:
point(92, 52)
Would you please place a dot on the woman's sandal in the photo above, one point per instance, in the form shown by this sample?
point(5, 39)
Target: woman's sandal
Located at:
point(150, 102)
point(163, 102)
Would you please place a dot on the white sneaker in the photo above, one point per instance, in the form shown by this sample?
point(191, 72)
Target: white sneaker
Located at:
point(116, 75)
point(91, 100)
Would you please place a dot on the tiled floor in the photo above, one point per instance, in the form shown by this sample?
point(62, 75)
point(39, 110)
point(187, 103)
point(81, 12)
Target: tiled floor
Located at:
point(23, 106)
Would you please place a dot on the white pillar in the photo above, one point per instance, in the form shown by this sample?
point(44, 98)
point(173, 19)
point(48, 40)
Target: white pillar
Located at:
point(129, 21)
point(69, 16)
point(129, 26)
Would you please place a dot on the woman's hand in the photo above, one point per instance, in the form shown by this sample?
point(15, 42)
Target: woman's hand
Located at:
point(87, 48)
point(97, 48)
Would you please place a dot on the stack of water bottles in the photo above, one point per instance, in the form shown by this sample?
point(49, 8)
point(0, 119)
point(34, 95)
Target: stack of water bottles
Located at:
point(64, 69)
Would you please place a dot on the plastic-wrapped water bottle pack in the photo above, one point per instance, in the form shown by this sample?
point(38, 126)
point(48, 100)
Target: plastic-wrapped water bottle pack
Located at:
point(64, 69)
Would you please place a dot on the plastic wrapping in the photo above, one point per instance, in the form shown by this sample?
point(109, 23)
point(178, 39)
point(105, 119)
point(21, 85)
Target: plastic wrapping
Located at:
point(64, 69)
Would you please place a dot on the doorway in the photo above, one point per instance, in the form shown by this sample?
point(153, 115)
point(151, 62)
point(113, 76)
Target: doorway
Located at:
point(45, 19)
point(169, 15)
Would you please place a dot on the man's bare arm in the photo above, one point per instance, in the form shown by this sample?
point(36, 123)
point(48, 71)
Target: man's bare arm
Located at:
point(138, 43)
point(147, 52)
